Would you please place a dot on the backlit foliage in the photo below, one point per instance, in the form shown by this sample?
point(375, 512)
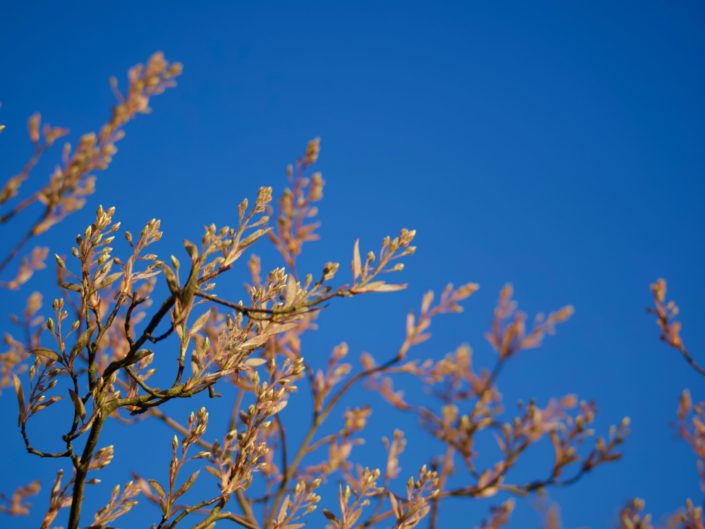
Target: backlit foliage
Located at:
point(691, 418)
point(72, 180)
point(120, 304)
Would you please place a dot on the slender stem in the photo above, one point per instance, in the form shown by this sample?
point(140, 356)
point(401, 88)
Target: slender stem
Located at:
point(18, 247)
point(445, 471)
point(317, 421)
point(691, 361)
point(286, 478)
point(146, 335)
point(209, 520)
point(237, 519)
point(244, 504)
point(82, 470)
point(39, 149)
point(188, 510)
point(282, 442)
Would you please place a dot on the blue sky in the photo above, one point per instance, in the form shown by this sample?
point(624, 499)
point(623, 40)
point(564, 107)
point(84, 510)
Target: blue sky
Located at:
point(558, 146)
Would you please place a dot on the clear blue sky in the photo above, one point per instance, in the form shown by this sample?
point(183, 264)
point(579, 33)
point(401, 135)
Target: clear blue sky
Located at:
point(556, 145)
